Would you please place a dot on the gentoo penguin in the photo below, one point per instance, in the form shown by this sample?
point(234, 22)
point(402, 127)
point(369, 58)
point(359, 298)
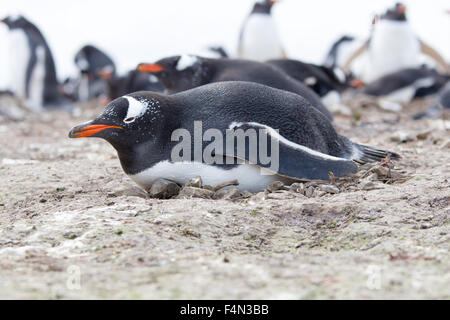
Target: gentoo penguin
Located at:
point(259, 39)
point(405, 85)
point(334, 56)
point(33, 69)
point(393, 46)
point(443, 103)
point(92, 63)
point(181, 73)
point(328, 83)
point(133, 81)
point(146, 128)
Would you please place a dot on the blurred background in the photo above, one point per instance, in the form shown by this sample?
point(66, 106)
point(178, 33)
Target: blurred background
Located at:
point(135, 31)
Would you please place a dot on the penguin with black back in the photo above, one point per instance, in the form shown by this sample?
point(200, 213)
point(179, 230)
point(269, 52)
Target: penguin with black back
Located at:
point(259, 39)
point(407, 84)
point(442, 103)
point(133, 81)
point(321, 79)
point(179, 73)
point(33, 71)
point(141, 127)
point(94, 66)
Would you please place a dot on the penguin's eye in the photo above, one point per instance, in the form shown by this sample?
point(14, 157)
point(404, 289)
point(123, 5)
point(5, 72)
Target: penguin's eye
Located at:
point(129, 120)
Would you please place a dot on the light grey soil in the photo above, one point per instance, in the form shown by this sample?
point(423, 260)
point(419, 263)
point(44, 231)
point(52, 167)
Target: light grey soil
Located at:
point(72, 225)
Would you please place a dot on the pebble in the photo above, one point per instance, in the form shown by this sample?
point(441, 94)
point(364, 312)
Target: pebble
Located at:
point(191, 192)
point(164, 189)
point(196, 182)
point(227, 194)
point(277, 185)
point(329, 189)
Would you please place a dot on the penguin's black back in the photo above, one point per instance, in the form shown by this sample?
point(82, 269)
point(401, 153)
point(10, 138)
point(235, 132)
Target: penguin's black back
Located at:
point(325, 78)
point(134, 81)
point(262, 73)
point(406, 77)
point(96, 58)
point(218, 105)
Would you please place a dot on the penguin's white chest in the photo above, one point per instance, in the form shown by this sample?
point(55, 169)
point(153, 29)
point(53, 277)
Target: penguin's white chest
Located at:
point(19, 57)
point(394, 46)
point(260, 40)
point(250, 177)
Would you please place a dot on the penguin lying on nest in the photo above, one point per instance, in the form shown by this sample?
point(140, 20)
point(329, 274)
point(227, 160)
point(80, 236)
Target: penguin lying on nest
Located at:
point(405, 85)
point(144, 129)
point(443, 103)
point(179, 73)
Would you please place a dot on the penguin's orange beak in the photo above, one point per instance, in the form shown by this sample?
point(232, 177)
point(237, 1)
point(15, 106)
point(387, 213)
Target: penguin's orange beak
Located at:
point(150, 67)
point(402, 9)
point(88, 129)
point(104, 74)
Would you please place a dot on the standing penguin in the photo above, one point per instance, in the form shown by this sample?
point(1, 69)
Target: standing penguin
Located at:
point(392, 46)
point(180, 73)
point(33, 71)
point(259, 39)
point(93, 63)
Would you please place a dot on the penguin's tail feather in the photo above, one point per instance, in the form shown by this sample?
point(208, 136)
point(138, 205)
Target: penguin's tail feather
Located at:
point(365, 154)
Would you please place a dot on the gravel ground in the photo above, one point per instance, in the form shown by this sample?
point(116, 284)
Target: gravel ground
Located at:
point(72, 225)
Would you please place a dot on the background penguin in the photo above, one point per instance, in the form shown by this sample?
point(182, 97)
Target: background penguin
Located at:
point(33, 69)
point(405, 85)
point(328, 83)
point(140, 127)
point(259, 38)
point(392, 46)
point(443, 103)
point(181, 73)
point(132, 82)
point(92, 63)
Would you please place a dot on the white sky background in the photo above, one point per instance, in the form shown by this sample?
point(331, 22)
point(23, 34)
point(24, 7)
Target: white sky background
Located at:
point(135, 31)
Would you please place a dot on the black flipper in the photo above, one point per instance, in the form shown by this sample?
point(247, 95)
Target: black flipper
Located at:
point(294, 161)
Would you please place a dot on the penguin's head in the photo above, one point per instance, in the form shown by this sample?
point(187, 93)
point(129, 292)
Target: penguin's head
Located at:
point(126, 122)
point(264, 6)
point(15, 22)
point(397, 13)
point(177, 73)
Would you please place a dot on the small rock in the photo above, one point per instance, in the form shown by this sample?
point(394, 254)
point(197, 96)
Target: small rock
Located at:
point(195, 182)
point(309, 192)
point(277, 185)
point(298, 187)
point(426, 225)
point(402, 137)
point(423, 135)
point(329, 189)
point(191, 192)
point(164, 189)
point(369, 185)
point(227, 194)
point(281, 195)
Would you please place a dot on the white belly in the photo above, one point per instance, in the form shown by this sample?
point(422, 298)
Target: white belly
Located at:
point(394, 46)
point(36, 87)
point(19, 56)
point(250, 177)
point(260, 39)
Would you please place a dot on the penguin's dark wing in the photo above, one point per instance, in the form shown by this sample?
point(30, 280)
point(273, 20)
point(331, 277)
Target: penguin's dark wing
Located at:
point(262, 145)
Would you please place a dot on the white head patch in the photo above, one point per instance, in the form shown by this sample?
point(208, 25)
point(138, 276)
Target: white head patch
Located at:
point(135, 109)
point(340, 75)
point(186, 61)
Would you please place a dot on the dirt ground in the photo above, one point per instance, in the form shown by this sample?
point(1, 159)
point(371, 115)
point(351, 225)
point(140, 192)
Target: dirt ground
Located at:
point(73, 226)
